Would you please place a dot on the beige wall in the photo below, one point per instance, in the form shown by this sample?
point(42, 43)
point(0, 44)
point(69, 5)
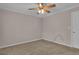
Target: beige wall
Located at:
point(57, 27)
point(16, 28)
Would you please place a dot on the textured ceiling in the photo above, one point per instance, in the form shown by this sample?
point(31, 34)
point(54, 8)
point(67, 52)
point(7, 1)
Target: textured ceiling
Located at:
point(23, 8)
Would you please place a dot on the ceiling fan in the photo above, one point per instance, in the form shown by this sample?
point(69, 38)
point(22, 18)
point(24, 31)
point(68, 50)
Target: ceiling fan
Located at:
point(43, 7)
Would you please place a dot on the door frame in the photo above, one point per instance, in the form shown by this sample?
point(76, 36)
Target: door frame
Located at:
point(72, 39)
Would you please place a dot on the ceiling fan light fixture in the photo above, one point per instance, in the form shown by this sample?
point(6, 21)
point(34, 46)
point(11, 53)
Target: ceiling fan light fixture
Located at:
point(42, 11)
point(40, 5)
point(43, 8)
point(39, 11)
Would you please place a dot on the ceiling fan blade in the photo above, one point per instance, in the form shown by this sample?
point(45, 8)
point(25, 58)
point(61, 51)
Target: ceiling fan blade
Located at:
point(38, 4)
point(32, 9)
point(49, 6)
point(52, 5)
point(47, 11)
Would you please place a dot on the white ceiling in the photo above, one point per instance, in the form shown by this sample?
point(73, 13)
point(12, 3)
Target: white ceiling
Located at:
point(23, 8)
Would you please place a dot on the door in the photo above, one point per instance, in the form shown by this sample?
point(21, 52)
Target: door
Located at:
point(75, 29)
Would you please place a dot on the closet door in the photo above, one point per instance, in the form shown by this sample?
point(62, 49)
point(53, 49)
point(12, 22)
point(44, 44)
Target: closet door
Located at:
point(75, 29)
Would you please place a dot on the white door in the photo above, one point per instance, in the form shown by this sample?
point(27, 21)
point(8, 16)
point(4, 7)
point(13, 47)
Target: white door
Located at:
point(75, 29)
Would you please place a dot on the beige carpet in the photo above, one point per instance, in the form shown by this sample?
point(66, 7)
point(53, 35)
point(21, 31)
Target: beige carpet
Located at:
point(40, 47)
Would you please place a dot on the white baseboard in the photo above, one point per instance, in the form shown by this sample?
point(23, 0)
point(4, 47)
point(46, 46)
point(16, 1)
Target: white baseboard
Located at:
point(18, 43)
point(59, 43)
point(34, 40)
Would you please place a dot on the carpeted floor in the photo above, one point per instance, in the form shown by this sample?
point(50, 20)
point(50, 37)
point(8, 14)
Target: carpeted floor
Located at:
point(40, 47)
